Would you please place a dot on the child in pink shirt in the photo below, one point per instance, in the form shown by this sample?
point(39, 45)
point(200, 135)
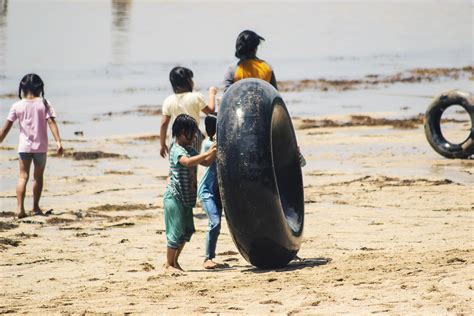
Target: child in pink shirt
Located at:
point(32, 113)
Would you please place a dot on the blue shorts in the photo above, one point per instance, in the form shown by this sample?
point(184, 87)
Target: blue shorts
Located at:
point(39, 159)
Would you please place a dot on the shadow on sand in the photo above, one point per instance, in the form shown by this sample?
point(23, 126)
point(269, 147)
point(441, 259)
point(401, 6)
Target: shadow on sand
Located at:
point(296, 264)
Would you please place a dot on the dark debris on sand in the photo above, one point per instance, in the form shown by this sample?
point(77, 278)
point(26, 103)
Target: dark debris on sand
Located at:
point(117, 172)
point(373, 80)
point(58, 220)
point(122, 207)
point(384, 181)
point(143, 110)
point(9, 242)
point(149, 138)
point(92, 155)
point(4, 226)
point(11, 95)
point(7, 214)
point(365, 120)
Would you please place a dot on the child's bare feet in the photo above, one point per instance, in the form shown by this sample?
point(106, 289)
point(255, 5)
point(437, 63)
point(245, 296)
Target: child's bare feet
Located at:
point(173, 271)
point(177, 266)
point(37, 211)
point(209, 264)
point(22, 214)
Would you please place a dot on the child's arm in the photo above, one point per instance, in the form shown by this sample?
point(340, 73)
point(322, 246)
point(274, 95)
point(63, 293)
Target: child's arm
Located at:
point(165, 121)
point(204, 159)
point(6, 128)
point(211, 107)
point(55, 131)
point(210, 159)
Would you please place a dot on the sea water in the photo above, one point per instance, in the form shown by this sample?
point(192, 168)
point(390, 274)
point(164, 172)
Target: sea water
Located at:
point(110, 56)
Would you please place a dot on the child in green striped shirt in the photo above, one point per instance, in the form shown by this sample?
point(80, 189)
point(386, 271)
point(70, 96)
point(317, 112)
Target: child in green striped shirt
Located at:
point(180, 195)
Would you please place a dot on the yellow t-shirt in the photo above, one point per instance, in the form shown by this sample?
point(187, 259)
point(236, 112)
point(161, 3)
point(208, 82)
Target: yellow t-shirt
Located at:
point(253, 68)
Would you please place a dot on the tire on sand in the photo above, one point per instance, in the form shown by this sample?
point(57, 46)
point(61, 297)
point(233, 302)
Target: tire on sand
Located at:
point(433, 132)
point(260, 178)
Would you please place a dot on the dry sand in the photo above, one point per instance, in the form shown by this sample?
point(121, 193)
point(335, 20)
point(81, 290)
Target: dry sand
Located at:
point(388, 229)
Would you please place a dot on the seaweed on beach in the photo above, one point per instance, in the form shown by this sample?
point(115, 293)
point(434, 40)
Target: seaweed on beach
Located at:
point(58, 220)
point(9, 242)
point(143, 110)
point(385, 181)
point(4, 226)
point(26, 235)
point(116, 172)
point(148, 138)
point(365, 120)
point(122, 207)
point(92, 155)
point(415, 75)
point(10, 95)
point(7, 214)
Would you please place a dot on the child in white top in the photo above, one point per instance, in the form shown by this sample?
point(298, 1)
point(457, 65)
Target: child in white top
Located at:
point(184, 101)
point(32, 113)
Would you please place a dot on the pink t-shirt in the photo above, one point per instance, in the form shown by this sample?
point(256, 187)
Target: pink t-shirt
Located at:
point(32, 116)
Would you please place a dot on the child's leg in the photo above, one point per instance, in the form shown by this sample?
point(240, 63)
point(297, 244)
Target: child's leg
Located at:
point(188, 231)
point(178, 252)
point(39, 161)
point(170, 256)
point(175, 229)
point(214, 215)
point(24, 163)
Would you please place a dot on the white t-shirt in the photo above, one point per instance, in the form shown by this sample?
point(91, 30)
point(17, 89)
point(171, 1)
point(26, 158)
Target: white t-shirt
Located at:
point(190, 103)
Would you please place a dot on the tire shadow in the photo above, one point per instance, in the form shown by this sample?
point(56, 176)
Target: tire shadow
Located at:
point(295, 264)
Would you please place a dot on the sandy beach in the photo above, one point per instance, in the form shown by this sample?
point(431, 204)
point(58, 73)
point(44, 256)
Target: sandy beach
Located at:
point(389, 223)
point(388, 229)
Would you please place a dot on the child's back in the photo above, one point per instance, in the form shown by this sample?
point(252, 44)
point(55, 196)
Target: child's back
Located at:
point(184, 101)
point(249, 65)
point(190, 103)
point(32, 116)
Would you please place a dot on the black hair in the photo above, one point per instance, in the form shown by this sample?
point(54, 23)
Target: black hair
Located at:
point(184, 124)
point(211, 125)
point(32, 83)
point(246, 44)
point(181, 79)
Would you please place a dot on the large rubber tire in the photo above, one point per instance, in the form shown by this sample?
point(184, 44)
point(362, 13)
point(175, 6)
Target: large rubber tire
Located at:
point(433, 124)
point(259, 174)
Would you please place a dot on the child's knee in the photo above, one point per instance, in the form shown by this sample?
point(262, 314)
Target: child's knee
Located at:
point(23, 176)
point(215, 223)
point(38, 177)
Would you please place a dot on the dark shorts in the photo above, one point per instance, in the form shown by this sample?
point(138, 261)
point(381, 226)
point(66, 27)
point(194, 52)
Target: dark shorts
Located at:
point(39, 159)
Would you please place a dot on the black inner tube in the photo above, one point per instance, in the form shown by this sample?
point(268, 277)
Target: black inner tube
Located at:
point(439, 122)
point(433, 131)
point(285, 165)
point(260, 178)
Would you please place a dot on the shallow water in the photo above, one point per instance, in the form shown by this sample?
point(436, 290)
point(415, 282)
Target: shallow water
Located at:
point(102, 56)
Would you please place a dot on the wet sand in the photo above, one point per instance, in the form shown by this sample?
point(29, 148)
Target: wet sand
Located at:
point(388, 229)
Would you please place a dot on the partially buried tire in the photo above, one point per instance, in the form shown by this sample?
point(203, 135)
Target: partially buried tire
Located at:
point(433, 131)
point(259, 174)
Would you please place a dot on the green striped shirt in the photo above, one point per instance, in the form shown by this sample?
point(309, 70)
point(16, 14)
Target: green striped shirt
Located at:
point(183, 180)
